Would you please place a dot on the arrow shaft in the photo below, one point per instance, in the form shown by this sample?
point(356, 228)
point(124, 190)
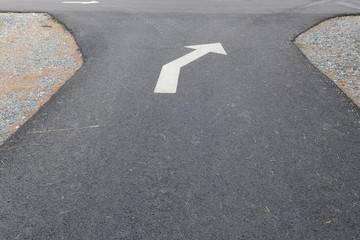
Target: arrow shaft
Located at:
point(169, 75)
point(92, 2)
point(188, 58)
point(168, 79)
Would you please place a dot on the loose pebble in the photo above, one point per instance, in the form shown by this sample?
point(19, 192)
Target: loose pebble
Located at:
point(333, 47)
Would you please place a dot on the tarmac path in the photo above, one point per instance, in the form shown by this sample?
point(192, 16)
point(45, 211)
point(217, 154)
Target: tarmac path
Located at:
point(255, 144)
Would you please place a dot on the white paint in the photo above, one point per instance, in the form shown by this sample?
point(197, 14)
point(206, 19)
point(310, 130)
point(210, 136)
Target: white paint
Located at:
point(91, 2)
point(348, 4)
point(169, 75)
point(342, 3)
point(317, 3)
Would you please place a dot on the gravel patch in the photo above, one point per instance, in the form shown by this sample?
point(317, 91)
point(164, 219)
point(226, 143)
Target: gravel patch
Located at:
point(333, 47)
point(37, 57)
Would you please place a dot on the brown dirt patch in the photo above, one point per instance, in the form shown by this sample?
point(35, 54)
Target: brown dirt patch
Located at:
point(37, 57)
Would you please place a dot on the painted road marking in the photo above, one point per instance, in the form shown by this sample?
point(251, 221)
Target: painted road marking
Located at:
point(169, 75)
point(342, 3)
point(91, 2)
point(348, 4)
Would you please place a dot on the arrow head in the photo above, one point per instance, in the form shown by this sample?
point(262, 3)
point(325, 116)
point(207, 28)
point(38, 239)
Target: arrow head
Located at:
point(211, 47)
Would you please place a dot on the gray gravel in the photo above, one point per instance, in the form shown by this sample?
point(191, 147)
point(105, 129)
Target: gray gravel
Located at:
point(334, 48)
point(37, 56)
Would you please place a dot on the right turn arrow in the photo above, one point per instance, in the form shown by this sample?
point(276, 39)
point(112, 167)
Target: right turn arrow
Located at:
point(169, 75)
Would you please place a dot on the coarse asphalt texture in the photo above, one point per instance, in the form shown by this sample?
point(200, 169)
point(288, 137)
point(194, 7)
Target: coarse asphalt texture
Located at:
point(257, 144)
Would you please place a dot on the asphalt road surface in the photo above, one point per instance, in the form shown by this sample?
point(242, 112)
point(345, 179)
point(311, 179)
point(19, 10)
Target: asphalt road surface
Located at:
point(255, 144)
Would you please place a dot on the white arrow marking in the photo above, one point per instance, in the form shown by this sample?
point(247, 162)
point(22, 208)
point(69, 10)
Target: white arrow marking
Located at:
point(91, 2)
point(169, 75)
